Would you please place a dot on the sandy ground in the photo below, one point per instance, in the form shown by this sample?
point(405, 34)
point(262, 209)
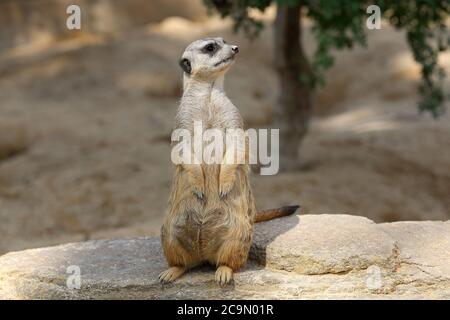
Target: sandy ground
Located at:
point(85, 124)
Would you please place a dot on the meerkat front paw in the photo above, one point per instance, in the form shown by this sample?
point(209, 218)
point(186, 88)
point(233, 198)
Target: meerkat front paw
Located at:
point(224, 275)
point(199, 194)
point(196, 180)
point(227, 179)
point(225, 189)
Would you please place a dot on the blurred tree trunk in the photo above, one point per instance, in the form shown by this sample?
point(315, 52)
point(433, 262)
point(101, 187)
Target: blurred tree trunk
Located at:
point(294, 105)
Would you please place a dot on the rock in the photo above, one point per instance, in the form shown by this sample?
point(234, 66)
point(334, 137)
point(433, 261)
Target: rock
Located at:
point(310, 256)
point(312, 244)
point(424, 255)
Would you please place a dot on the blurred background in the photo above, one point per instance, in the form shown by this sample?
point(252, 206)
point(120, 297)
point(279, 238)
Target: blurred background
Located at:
point(86, 118)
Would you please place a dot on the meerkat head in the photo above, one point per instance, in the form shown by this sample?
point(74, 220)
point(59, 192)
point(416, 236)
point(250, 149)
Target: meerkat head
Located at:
point(208, 58)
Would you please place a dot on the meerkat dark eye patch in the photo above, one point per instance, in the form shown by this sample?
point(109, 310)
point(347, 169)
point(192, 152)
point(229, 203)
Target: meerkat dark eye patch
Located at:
point(210, 48)
point(185, 64)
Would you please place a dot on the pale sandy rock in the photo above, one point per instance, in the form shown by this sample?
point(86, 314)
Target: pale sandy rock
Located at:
point(424, 254)
point(328, 243)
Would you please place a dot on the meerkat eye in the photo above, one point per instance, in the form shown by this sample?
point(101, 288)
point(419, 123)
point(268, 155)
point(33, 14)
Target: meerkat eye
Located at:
point(210, 47)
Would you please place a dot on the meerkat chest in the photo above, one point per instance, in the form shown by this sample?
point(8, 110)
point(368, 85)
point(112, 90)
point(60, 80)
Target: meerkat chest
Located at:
point(214, 113)
point(212, 110)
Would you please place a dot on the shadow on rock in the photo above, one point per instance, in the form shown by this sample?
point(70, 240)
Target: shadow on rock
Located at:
point(266, 232)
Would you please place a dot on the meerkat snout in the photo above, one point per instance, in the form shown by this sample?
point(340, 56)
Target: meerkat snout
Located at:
point(208, 58)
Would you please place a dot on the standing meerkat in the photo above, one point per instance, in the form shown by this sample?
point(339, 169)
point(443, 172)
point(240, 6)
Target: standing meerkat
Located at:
point(211, 209)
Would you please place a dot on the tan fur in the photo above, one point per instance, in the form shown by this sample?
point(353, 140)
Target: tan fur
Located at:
point(211, 210)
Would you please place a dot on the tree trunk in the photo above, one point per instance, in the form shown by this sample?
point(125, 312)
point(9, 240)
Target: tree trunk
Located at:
point(294, 105)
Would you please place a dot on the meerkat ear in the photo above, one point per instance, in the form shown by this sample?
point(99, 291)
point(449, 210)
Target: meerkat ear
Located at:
point(185, 64)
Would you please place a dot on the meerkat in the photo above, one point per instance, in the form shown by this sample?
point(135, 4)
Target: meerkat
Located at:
point(211, 209)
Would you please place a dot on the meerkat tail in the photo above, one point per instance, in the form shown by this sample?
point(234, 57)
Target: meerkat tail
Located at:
point(270, 214)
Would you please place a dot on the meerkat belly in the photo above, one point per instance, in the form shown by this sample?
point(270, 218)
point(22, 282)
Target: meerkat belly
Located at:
point(202, 234)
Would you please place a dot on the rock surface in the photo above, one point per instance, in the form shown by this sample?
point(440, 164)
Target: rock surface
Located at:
point(299, 257)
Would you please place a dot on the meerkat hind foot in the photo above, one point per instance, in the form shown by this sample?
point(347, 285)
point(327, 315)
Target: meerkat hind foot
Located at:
point(171, 274)
point(224, 275)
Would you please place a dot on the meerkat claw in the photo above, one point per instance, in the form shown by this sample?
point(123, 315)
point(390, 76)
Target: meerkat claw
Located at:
point(199, 195)
point(225, 189)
